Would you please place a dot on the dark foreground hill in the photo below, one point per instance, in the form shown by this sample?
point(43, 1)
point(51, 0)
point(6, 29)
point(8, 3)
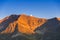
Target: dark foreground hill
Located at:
point(24, 27)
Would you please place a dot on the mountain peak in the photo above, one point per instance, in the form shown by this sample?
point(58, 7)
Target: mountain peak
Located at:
point(24, 23)
point(56, 18)
point(29, 23)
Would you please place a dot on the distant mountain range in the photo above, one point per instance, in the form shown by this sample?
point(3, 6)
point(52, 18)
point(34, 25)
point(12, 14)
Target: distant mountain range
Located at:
point(25, 27)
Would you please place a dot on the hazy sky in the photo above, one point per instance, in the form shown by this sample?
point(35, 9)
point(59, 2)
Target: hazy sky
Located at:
point(38, 8)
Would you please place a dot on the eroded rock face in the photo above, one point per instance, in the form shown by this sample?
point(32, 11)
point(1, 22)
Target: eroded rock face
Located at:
point(23, 23)
point(27, 24)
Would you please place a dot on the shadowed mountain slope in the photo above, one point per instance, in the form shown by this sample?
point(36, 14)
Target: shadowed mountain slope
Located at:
point(6, 24)
point(51, 29)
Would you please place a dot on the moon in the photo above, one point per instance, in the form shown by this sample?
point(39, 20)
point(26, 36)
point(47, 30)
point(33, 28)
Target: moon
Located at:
point(31, 15)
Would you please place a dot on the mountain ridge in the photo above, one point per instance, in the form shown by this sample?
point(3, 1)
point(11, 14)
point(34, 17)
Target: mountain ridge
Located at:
point(25, 24)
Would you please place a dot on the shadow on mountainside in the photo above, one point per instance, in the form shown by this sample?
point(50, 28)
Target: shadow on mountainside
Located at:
point(50, 29)
point(5, 23)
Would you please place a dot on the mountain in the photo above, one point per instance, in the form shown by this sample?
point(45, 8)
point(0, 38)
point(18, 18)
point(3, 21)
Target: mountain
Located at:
point(23, 23)
point(25, 27)
point(51, 29)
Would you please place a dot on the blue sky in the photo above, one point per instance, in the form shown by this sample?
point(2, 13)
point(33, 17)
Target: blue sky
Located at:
point(38, 8)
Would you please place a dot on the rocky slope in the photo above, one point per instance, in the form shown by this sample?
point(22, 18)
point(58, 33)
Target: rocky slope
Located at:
point(51, 29)
point(24, 27)
point(23, 23)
